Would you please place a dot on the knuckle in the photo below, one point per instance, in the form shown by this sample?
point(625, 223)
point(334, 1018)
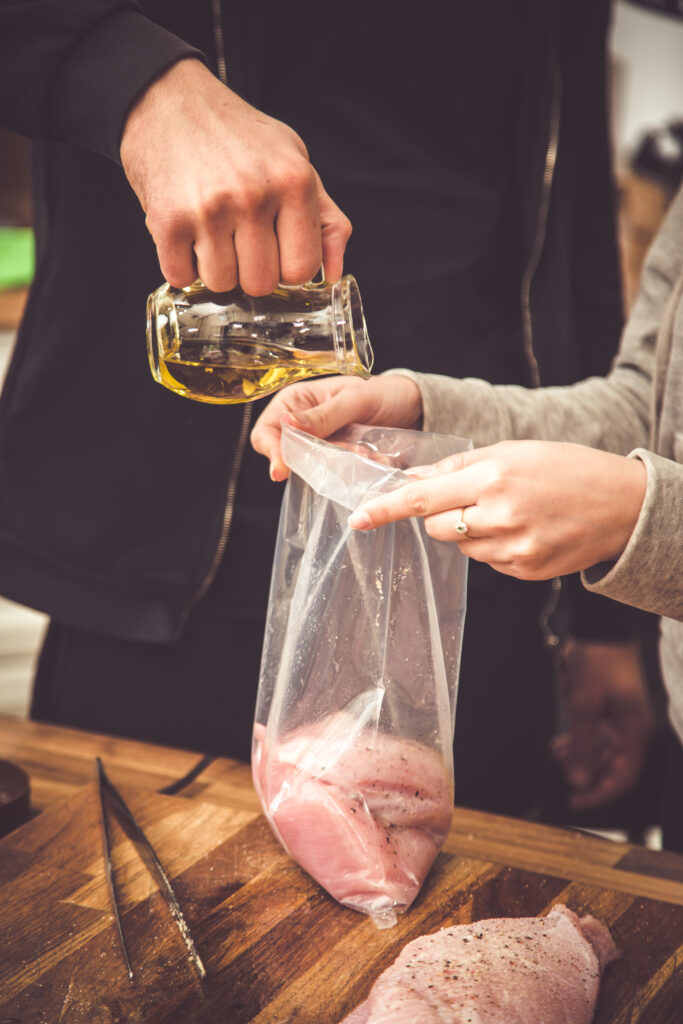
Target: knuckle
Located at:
point(345, 227)
point(524, 551)
point(321, 420)
point(252, 197)
point(338, 228)
point(416, 501)
point(528, 565)
point(296, 180)
point(451, 463)
point(210, 208)
point(247, 198)
point(214, 205)
point(167, 227)
point(496, 478)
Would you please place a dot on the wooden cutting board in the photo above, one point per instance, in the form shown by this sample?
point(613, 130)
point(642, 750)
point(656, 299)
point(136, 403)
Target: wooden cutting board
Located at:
point(276, 947)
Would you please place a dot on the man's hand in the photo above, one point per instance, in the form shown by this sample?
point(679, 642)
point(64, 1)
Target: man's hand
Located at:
point(321, 407)
point(610, 722)
point(229, 193)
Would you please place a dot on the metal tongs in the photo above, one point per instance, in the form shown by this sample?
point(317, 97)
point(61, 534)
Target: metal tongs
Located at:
point(109, 793)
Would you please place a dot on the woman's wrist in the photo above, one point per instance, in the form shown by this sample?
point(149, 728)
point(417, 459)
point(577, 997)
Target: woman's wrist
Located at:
point(626, 496)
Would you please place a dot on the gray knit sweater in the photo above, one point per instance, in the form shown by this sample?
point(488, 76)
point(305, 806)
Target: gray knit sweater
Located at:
point(636, 410)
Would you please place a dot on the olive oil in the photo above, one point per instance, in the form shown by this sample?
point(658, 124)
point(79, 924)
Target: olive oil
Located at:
point(253, 371)
point(231, 347)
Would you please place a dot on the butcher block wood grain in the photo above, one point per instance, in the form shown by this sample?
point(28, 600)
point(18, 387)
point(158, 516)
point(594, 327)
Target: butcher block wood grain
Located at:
point(277, 949)
point(60, 762)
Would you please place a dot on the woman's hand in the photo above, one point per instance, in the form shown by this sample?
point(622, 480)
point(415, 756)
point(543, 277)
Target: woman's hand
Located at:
point(321, 407)
point(532, 509)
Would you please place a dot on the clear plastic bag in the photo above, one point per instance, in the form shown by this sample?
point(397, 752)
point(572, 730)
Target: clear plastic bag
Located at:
point(352, 750)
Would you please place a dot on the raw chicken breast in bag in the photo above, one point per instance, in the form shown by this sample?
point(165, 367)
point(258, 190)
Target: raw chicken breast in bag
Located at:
point(352, 750)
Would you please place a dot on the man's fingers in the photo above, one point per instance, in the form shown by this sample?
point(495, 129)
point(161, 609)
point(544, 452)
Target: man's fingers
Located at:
point(300, 241)
point(258, 257)
point(335, 229)
point(259, 254)
point(177, 260)
point(217, 264)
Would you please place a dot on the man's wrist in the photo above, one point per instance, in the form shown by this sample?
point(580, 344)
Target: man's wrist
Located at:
point(177, 77)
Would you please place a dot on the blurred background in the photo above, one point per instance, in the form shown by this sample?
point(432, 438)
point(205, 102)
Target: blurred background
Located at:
point(647, 123)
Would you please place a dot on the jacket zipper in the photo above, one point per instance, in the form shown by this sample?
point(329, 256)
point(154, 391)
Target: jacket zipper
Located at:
point(541, 227)
point(550, 638)
point(217, 18)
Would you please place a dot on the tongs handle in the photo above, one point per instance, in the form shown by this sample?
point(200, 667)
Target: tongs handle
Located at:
point(108, 790)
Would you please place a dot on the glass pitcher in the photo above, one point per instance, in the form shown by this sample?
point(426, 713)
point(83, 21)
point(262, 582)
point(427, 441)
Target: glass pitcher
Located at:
point(231, 347)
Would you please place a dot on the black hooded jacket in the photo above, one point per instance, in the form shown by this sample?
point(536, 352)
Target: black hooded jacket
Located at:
point(113, 490)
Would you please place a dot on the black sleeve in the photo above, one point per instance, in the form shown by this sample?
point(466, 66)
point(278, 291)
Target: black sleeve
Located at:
point(71, 69)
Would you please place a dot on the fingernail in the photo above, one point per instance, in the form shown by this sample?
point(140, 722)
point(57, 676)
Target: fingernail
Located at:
point(359, 520)
point(300, 420)
point(421, 471)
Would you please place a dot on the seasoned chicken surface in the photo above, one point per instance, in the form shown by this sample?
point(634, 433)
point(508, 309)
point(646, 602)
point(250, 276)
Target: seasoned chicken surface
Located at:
point(364, 813)
point(527, 970)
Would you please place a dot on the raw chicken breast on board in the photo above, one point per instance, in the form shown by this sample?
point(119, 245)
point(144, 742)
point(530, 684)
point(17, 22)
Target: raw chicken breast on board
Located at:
point(526, 970)
point(363, 812)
